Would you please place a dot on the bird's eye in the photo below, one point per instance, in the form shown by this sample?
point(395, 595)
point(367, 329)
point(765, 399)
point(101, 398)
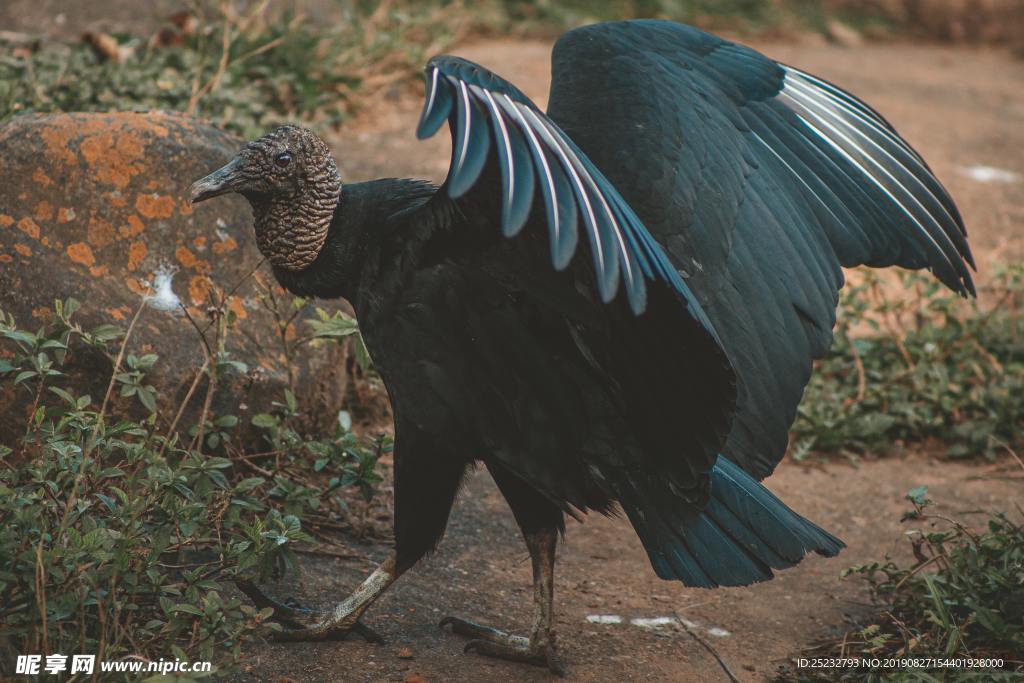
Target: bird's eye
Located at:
point(283, 159)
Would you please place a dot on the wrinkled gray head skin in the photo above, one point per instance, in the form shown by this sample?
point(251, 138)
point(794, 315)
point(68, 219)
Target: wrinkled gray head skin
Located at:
point(294, 186)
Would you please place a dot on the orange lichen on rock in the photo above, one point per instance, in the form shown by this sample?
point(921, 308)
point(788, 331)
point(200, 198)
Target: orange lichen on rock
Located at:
point(186, 257)
point(198, 289)
point(119, 313)
point(99, 271)
point(136, 286)
point(115, 199)
point(6, 221)
point(66, 215)
point(29, 227)
point(134, 228)
point(42, 312)
point(6, 258)
point(225, 245)
point(79, 252)
point(154, 205)
point(238, 308)
point(44, 211)
point(23, 249)
point(40, 177)
point(58, 139)
point(113, 156)
point(199, 242)
point(100, 233)
point(136, 252)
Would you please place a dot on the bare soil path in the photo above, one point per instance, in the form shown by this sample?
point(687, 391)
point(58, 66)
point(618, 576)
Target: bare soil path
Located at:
point(963, 109)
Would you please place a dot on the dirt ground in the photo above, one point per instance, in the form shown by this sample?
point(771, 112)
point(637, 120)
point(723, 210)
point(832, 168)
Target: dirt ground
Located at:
point(964, 110)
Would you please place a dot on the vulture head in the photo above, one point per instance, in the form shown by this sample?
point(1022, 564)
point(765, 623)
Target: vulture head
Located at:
point(293, 185)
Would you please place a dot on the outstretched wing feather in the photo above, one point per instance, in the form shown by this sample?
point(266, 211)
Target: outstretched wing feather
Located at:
point(532, 151)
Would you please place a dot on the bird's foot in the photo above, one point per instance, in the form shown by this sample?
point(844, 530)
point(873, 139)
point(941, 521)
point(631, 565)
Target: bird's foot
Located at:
point(539, 650)
point(303, 624)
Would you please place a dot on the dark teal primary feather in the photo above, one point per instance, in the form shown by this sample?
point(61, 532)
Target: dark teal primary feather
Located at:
point(738, 538)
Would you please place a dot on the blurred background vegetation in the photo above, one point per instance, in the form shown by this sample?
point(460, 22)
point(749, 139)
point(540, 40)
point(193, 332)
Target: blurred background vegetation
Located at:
point(249, 65)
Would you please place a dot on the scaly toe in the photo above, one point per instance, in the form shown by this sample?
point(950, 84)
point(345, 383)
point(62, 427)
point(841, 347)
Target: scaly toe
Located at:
point(469, 629)
point(518, 649)
point(329, 632)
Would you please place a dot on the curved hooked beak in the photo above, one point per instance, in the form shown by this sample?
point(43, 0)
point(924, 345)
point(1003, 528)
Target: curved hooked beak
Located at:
point(225, 179)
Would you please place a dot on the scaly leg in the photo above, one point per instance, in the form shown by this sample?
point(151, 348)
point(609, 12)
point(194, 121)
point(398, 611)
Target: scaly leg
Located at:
point(333, 624)
point(539, 648)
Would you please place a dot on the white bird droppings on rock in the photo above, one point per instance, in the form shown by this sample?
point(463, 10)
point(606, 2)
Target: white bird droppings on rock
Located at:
point(163, 297)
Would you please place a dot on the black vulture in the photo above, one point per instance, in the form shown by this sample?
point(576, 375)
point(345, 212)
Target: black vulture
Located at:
point(612, 305)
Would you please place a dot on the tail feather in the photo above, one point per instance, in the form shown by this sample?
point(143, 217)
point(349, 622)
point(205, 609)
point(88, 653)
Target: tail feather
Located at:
point(741, 535)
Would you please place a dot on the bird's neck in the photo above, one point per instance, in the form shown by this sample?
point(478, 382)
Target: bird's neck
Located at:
point(291, 229)
point(374, 224)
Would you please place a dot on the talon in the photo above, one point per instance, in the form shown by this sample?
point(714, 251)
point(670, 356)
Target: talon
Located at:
point(368, 634)
point(555, 665)
point(284, 614)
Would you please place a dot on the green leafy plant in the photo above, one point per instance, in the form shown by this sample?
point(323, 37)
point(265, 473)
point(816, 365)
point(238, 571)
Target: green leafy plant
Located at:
point(117, 537)
point(961, 598)
point(919, 366)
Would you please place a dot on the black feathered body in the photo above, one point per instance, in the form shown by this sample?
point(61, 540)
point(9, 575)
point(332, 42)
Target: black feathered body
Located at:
point(488, 357)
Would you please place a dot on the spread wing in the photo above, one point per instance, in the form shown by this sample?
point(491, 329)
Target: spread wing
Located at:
point(760, 181)
point(487, 114)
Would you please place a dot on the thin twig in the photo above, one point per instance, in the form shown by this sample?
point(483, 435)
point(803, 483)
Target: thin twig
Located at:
point(330, 552)
point(225, 52)
point(222, 66)
point(184, 404)
point(41, 594)
point(861, 379)
point(915, 570)
point(235, 288)
point(117, 369)
point(707, 646)
point(1009, 450)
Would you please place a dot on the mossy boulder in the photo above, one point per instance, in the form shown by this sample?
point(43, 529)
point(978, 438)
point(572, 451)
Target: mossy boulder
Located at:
point(92, 206)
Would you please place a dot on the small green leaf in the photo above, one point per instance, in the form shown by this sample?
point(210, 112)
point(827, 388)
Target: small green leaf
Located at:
point(184, 608)
point(106, 333)
point(64, 395)
point(24, 375)
point(918, 495)
point(226, 421)
point(264, 421)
